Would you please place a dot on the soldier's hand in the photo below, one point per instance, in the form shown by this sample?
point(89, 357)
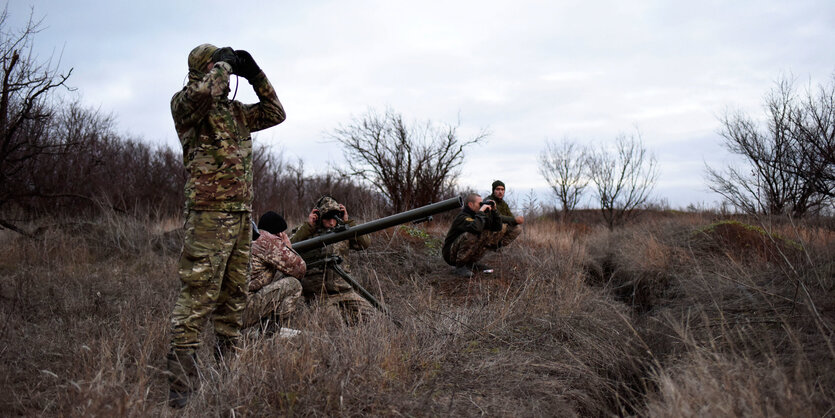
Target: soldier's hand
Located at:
point(520, 220)
point(227, 55)
point(344, 212)
point(247, 66)
point(485, 208)
point(313, 217)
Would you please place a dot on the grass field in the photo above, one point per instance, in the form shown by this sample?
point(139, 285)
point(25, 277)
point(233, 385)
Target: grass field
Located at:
point(673, 315)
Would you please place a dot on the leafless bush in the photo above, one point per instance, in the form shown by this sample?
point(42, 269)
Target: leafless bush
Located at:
point(410, 165)
point(623, 178)
point(101, 168)
point(285, 187)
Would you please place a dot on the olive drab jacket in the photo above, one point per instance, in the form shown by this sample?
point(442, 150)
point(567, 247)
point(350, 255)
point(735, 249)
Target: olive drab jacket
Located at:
point(215, 134)
point(503, 209)
point(320, 278)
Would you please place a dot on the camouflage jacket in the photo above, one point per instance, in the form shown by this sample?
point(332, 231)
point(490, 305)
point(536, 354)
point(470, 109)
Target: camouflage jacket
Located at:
point(215, 134)
point(269, 256)
point(503, 209)
point(470, 221)
point(305, 231)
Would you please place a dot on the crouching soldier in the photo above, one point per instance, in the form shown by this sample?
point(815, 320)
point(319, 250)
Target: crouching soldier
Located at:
point(274, 289)
point(323, 281)
point(471, 233)
point(511, 225)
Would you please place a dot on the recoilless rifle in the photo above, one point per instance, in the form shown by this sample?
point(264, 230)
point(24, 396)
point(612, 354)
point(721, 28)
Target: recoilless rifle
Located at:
point(343, 232)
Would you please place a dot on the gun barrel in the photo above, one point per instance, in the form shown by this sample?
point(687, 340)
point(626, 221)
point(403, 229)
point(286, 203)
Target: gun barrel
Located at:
point(379, 224)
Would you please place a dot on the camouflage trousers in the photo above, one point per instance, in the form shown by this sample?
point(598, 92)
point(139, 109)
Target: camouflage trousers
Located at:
point(214, 268)
point(329, 289)
point(468, 248)
point(507, 235)
point(281, 297)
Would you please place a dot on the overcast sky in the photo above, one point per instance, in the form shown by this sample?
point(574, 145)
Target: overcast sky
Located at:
point(527, 71)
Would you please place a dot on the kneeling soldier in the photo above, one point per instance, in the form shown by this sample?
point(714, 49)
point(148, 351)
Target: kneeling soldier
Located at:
point(274, 289)
point(323, 280)
point(511, 225)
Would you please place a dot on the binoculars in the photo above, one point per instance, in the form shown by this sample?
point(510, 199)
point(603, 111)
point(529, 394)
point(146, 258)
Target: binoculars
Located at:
point(490, 203)
point(331, 214)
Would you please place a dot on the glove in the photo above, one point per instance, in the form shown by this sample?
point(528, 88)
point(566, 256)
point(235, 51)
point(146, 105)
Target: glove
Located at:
point(227, 55)
point(247, 66)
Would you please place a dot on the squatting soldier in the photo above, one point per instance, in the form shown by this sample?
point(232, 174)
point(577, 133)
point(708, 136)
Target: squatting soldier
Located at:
point(217, 152)
point(274, 289)
point(510, 224)
point(322, 281)
point(475, 229)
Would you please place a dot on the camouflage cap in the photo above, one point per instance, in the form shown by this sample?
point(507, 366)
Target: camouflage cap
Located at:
point(200, 56)
point(328, 207)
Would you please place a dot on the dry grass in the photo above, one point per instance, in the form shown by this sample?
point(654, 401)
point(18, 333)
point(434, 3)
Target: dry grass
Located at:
point(576, 321)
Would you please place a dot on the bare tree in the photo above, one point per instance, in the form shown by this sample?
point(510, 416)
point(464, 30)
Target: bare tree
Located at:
point(788, 162)
point(813, 120)
point(623, 178)
point(564, 167)
point(25, 111)
point(410, 165)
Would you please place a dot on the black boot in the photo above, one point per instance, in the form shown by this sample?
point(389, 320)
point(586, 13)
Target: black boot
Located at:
point(182, 377)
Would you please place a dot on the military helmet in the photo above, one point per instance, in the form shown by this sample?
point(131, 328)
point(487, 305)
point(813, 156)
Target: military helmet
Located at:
point(200, 57)
point(328, 208)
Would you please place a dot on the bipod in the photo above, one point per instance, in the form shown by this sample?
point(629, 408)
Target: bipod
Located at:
point(334, 263)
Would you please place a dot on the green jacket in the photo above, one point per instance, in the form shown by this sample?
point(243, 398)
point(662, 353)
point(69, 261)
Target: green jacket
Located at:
point(503, 209)
point(320, 279)
point(305, 232)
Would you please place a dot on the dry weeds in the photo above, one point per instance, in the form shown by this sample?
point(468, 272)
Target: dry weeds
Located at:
point(575, 321)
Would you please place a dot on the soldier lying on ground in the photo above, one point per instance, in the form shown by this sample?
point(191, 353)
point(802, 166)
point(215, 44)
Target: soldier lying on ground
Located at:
point(217, 152)
point(511, 225)
point(322, 282)
point(274, 288)
point(476, 228)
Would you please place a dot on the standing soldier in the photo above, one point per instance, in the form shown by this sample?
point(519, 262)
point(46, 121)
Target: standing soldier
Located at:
point(217, 152)
point(322, 281)
point(510, 224)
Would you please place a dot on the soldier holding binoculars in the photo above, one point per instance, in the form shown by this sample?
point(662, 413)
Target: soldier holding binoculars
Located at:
point(483, 224)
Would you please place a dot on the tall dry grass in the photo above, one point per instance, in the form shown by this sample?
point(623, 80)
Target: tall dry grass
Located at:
point(650, 319)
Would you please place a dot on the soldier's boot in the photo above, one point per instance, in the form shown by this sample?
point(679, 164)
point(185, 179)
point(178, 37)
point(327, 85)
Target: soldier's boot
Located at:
point(272, 324)
point(225, 349)
point(463, 271)
point(183, 378)
point(481, 267)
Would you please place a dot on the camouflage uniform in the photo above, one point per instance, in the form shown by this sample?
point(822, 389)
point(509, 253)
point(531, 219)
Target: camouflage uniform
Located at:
point(217, 152)
point(510, 230)
point(469, 236)
point(324, 282)
point(274, 287)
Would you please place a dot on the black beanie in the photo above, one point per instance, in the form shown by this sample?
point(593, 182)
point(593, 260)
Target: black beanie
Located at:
point(497, 183)
point(272, 223)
